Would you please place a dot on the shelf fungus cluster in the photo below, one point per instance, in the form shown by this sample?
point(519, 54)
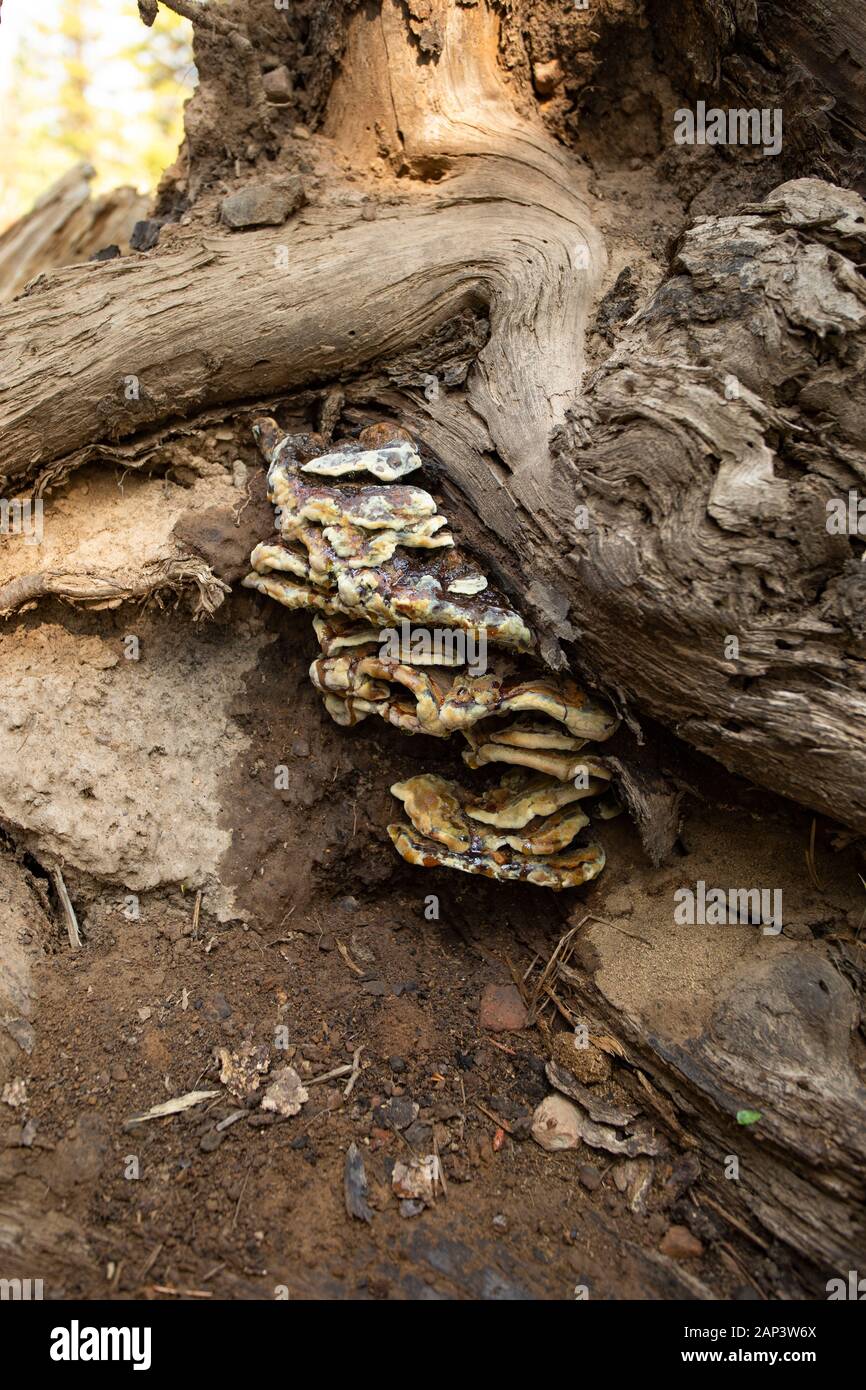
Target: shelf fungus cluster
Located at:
point(410, 630)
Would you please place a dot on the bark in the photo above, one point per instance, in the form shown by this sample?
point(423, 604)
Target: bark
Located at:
point(780, 1031)
point(808, 59)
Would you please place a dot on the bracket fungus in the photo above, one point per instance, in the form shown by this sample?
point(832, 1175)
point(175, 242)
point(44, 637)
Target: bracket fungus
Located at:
point(404, 620)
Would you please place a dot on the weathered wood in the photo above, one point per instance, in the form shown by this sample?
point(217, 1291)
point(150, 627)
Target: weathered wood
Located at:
point(685, 545)
point(66, 226)
point(779, 1037)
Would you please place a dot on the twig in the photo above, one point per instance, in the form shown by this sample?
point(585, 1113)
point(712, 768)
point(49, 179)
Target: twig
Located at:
point(68, 910)
point(728, 1254)
point(241, 1196)
point(356, 1072)
point(497, 1119)
point(744, 1230)
point(440, 1171)
point(231, 1119)
point(348, 959)
point(196, 912)
point(182, 1293)
point(329, 1075)
point(151, 1261)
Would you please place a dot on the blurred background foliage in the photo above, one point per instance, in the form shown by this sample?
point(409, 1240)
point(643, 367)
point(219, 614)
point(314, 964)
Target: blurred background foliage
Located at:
point(85, 80)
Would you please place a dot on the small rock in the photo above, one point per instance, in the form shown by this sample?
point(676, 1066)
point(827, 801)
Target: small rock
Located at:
point(145, 234)
point(396, 1064)
point(416, 1180)
point(106, 253)
point(211, 1140)
point(278, 85)
point(420, 1136)
point(546, 77)
point(262, 204)
point(398, 1112)
point(15, 1093)
point(239, 473)
point(355, 1186)
point(348, 904)
point(502, 1009)
point(144, 1014)
point(555, 1124)
point(678, 1243)
point(377, 987)
point(500, 1222)
point(410, 1208)
point(286, 1094)
point(300, 748)
point(241, 1071)
point(589, 1176)
point(300, 132)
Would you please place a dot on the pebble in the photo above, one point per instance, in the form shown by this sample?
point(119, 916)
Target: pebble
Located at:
point(678, 1243)
point(546, 77)
point(396, 1064)
point(420, 1136)
point(500, 1222)
point(278, 85)
point(377, 987)
point(262, 204)
point(589, 1176)
point(409, 1208)
point(400, 1112)
point(145, 234)
point(555, 1124)
point(502, 1009)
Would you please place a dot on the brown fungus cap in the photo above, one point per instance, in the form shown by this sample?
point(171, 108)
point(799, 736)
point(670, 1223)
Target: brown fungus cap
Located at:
point(574, 866)
point(437, 808)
